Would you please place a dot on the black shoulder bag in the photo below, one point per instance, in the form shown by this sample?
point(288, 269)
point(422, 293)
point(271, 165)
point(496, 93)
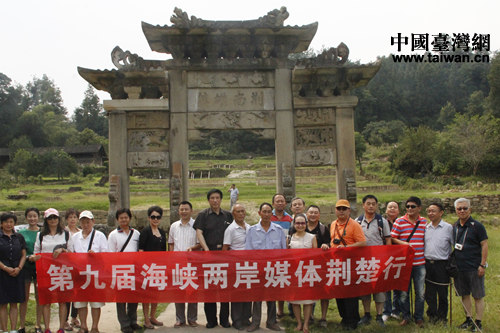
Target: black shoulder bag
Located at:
point(128, 239)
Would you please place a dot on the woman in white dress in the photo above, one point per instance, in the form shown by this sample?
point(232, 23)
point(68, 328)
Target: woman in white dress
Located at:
point(302, 240)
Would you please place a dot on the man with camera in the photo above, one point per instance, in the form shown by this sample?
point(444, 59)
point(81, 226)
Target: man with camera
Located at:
point(471, 252)
point(345, 232)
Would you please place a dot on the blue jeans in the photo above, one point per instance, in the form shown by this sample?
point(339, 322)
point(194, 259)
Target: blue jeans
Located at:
point(418, 277)
point(391, 304)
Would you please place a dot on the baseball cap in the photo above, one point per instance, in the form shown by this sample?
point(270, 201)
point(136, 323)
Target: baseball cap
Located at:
point(86, 213)
point(342, 203)
point(51, 211)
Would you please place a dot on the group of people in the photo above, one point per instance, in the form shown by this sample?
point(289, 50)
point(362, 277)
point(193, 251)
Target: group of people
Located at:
point(217, 229)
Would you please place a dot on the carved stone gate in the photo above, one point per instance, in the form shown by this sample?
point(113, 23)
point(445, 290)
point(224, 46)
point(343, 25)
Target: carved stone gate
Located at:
point(229, 75)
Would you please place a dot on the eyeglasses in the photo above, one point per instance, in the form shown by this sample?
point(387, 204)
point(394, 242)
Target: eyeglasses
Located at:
point(462, 208)
point(300, 223)
point(411, 206)
point(341, 208)
point(155, 217)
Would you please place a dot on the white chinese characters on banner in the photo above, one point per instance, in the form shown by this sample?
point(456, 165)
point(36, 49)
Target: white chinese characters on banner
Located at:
point(89, 274)
point(60, 277)
point(276, 274)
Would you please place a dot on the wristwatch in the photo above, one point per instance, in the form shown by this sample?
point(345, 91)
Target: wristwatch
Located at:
point(484, 266)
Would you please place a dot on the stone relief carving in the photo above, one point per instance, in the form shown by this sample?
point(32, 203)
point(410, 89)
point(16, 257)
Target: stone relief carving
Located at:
point(148, 120)
point(274, 18)
point(350, 185)
point(147, 140)
point(125, 59)
point(114, 198)
point(287, 178)
point(231, 79)
point(152, 160)
point(332, 56)
point(315, 136)
point(231, 120)
point(175, 190)
point(307, 117)
point(314, 157)
point(230, 99)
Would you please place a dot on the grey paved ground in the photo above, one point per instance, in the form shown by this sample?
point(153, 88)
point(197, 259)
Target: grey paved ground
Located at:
point(109, 323)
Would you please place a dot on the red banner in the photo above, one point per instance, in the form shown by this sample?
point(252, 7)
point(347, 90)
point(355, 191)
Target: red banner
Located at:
point(223, 276)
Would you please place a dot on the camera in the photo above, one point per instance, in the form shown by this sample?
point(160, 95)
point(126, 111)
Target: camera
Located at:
point(336, 241)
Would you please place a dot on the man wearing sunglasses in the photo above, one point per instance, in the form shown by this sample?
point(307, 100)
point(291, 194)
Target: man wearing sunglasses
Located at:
point(471, 252)
point(410, 230)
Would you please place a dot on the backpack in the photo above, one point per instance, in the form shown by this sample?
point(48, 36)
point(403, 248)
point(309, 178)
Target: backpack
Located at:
point(380, 223)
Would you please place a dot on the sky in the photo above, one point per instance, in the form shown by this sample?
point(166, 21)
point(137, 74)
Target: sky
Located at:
point(55, 37)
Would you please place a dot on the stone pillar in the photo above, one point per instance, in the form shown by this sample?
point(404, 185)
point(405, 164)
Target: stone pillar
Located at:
point(178, 145)
point(285, 135)
point(118, 157)
point(346, 162)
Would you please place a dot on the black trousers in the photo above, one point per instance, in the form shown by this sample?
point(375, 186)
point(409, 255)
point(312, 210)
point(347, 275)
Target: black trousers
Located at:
point(436, 296)
point(349, 311)
point(211, 313)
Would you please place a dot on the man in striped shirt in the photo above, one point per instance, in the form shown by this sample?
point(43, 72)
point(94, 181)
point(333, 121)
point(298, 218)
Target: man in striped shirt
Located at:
point(410, 230)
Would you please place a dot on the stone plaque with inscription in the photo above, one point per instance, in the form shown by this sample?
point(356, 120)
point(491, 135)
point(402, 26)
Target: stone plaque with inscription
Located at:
point(308, 117)
point(148, 120)
point(230, 99)
point(230, 79)
point(314, 157)
point(231, 120)
point(315, 136)
point(147, 140)
point(156, 160)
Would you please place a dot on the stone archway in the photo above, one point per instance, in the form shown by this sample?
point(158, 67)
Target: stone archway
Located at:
point(230, 75)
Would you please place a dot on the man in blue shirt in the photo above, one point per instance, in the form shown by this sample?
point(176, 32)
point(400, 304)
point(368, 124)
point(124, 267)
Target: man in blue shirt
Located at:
point(265, 236)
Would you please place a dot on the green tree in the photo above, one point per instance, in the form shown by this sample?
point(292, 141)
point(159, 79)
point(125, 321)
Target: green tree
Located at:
point(86, 137)
point(414, 154)
point(494, 82)
point(58, 163)
point(22, 142)
point(446, 114)
point(31, 124)
point(90, 114)
point(10, 108)
point(475, 137)
point(44, 127)
point(380, 132)
point(25, 164)
point(476, 105)
point(43, 91)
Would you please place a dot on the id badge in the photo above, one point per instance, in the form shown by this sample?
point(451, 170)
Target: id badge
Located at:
point(459, 247)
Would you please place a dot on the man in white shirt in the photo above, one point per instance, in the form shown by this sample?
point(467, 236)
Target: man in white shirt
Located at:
point(182, 237)
point(125, 239)
point(234, 239)
point(89, 240)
